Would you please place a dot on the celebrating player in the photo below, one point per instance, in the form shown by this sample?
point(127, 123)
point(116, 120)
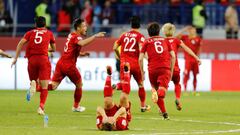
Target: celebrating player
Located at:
point(161, 61)
point(66, 65)
point(112, 116)
point(2, 53)
point(39, 67)
point(131, 43)
point(193, 41)
point(169, 30)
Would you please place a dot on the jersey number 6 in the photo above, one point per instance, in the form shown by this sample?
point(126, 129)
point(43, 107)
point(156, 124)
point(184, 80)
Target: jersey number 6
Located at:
point(158, 47)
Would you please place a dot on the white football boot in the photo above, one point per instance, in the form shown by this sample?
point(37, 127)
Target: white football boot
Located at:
point(78, 109)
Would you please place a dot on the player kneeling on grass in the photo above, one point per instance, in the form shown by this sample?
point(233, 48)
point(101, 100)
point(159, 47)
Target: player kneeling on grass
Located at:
point(111, 117)
point(169, 30)
point(161, 60)
point(2, 53)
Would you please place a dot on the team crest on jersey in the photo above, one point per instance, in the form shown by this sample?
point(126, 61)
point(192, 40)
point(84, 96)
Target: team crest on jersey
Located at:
point(193, 41)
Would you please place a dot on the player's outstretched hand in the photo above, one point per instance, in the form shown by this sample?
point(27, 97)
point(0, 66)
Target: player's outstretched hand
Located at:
point(100, 34)
point(9, 56)
point(13, 62)
point(199, 62)
point(83, 54)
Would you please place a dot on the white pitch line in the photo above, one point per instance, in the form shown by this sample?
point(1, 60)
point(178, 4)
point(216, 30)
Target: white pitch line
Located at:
point(194, 121)
point(194, 132)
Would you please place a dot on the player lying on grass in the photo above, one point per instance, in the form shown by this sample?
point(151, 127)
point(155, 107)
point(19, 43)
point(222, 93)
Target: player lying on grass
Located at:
point(131, 43)
point(2, 53)
point(161, 61)
point(169, 30)
point(193, 41)
point(39, 67)
point(112, 116)
point(66, 65)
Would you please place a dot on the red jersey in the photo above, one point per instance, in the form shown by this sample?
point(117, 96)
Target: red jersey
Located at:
point(175, 43)
point(129, 43)
point(38, 41)
point(194, 44)
point(71, 49)
point(111, 112)
point(158, 51)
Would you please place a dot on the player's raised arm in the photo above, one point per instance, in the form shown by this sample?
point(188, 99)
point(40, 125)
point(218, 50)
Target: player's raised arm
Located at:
point(179, 34)
point(101, 112)
point(173, 60)
point(190, 52)
point(5, 54)
point(120, 113)
point(18, 50)
point(116, 50)
point(90, 39)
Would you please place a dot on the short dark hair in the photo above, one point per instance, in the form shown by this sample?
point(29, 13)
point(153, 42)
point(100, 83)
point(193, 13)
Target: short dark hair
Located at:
point(153, 29)
point(40, 21)
point(77, 22)
point(135, 22)
point(107, 126)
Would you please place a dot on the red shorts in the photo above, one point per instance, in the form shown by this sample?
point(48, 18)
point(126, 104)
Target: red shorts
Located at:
point(160, 77)
point(134, 70)
point(39, 67)
point(62, 70)
point(121, 123)
point(191, 66)
point(176, 77)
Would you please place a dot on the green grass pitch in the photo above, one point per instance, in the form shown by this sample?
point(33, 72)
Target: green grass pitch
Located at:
point(209, 113)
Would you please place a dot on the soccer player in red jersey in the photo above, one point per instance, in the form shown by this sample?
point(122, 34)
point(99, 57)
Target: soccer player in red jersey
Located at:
point(161, 61)
point(131, 43)
point(193, 41)
point(66, 65)
point(169, 30)
point(39, 67)
point(2, 53)
point(111, 116)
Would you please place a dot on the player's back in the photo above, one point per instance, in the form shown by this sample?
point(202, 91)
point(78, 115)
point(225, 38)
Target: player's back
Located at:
point(71, 48)
point(129, 43)
point(158, 51)
point(38, 41)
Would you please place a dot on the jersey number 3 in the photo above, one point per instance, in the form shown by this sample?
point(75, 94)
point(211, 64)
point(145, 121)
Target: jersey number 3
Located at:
point(129, 42)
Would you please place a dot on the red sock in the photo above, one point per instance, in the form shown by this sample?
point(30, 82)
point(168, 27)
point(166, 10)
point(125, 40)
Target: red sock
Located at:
point(119, 86)
point(50, 87)
point(195, 82)
point(77, 97)
point(185, 80)
point(39, 88)
point(126, 84)
point(161, 93)
point(43, 97)
point(177, 91)
point(108, 92)
point(161, 104)
point(142, 95)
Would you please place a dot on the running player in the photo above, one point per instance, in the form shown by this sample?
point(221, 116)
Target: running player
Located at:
point(169, 30)
point(131, 43)
point(39, 67)
point(161, 61)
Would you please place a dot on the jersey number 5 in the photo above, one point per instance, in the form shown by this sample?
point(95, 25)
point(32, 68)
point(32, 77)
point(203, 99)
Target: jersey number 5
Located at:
point(38, 37)
point(128, 41)
point(158, 47)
